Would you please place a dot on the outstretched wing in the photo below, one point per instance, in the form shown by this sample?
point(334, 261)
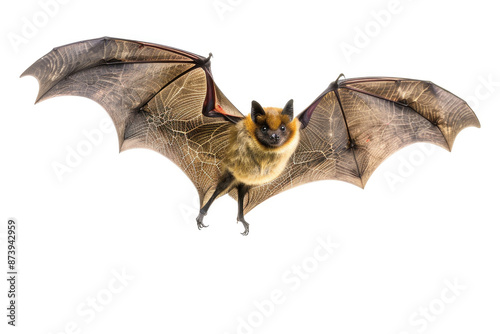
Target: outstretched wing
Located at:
point(158, 97)
point(356, 124)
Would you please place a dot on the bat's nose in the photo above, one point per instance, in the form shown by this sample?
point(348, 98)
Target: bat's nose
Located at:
point(275, 137)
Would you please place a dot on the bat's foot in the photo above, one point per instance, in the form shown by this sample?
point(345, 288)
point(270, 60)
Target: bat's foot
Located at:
point(245, 224)
point(199, 221)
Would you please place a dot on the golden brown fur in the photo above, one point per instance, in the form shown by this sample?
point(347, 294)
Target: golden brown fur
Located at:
point(253, 163)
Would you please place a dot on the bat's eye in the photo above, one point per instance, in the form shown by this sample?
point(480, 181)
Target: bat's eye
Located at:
point(264, 128)
point(282, 128)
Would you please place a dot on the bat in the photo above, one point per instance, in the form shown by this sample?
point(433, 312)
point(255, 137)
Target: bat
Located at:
point(165, 99)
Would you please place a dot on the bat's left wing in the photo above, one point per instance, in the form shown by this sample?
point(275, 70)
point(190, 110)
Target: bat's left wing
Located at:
point(157, 96)
point(355, 124)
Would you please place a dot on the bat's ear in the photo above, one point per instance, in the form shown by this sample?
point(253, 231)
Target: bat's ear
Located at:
point(288, 109)
point(257, 110)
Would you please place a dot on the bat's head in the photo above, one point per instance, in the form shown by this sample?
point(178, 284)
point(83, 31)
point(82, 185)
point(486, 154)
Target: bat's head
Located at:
point(274, 126)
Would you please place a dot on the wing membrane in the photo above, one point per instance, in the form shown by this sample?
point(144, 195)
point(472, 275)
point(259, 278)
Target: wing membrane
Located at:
point(157, 96)
point(355, 124)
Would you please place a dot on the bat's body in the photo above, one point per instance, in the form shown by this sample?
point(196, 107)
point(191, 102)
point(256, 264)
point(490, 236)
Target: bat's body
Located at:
point(165, 99)
point(254, 162)
point(259, 148)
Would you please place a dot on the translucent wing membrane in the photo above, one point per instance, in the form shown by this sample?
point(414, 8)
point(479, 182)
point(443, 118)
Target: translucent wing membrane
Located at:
point(355, 124)
point(157, 96)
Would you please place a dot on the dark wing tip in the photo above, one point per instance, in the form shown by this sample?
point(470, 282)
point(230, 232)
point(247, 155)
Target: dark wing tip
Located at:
point(25, 73)
point(30, 71)
point(472, 122)
point(475, 122)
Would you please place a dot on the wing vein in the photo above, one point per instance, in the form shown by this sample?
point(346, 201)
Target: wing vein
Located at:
point(351, 144)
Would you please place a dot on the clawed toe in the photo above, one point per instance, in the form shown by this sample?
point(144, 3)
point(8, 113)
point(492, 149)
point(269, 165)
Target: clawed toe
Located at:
point(246, 225)
point(199, 221)
point(201, 225)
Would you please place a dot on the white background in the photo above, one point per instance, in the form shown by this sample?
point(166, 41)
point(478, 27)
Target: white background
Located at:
point(399, 243)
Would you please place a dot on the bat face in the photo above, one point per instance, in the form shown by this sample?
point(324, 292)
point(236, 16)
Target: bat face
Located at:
point(272, 124)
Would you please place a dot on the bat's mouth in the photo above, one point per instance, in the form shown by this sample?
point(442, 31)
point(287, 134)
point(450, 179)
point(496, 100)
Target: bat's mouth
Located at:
point(275, 140)
point(274, 143)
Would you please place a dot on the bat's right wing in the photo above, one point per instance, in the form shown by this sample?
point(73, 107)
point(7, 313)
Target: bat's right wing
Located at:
point(356, 124)
point(157, 96)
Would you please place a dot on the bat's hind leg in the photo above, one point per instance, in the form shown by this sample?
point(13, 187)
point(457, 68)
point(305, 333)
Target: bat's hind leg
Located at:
point(242, 190)
point(224, 182)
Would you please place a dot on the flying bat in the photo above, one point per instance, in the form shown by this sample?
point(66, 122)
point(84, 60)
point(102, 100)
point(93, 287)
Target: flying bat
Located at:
point(165, 99)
